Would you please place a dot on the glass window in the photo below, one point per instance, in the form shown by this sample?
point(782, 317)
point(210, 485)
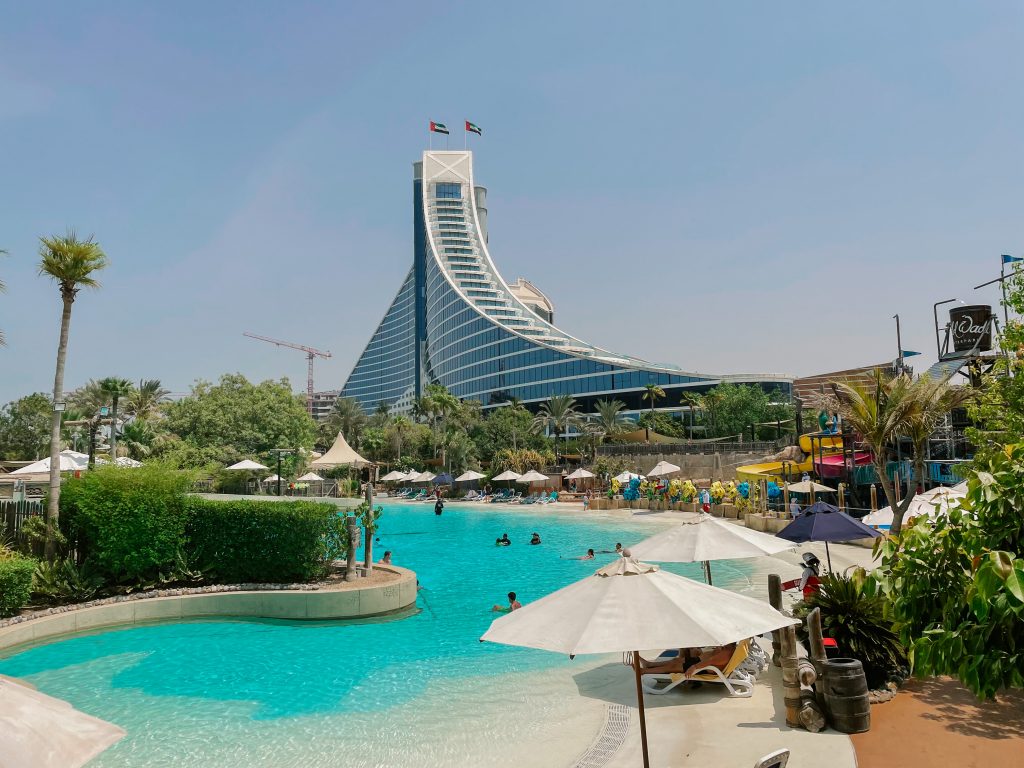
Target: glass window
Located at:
point(449, 190)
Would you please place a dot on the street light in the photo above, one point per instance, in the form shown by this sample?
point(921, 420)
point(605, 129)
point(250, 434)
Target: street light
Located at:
point(280, 452)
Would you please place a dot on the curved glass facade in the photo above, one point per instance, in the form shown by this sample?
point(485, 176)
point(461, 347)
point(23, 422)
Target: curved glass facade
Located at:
point(456, 321)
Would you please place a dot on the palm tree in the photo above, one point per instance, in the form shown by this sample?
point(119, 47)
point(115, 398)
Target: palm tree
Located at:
point(559, 413)
point(72, 263)
point(692, 401)
point(347, 417)
point(400, 427)
point(381, 414)
point(144, 401)
point(654, 392)
point(116, 388)
point(137, 438)
point(515, 405)
point(608, 419)
point(443, 406)
point(89, 398)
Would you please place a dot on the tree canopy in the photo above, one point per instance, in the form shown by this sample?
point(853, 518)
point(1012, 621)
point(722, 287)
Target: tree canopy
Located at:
point(25, 428)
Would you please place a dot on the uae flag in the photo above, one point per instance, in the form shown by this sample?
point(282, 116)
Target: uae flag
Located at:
point(438, 128)
point(471, 128)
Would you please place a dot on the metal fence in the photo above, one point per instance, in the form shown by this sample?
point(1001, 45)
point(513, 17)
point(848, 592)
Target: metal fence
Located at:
point(693, 447)
point(14, 513)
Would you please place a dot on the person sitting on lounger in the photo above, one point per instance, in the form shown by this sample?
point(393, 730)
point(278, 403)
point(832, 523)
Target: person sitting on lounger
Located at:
point(513, 604)
point(535, 539)
point(715, 657)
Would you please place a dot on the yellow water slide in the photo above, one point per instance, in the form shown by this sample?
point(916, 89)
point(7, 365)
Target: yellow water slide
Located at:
point(773, 470)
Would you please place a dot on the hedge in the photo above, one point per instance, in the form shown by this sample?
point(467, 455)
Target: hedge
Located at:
point(264, 541)
point(128, 523)
point(15, 581)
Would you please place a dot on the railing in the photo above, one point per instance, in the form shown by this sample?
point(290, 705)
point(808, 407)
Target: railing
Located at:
point(731, 446)
point(13, 514)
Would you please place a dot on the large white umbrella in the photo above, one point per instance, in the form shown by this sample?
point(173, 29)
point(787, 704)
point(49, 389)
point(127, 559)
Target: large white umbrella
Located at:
point(508, 474)
point(69, 462)
point(633, 606)
point(580, 474)
point(705, 538)
point(931, 503)
point(663, 468)
point(310, 477)
point(393, 476)
point(423, 477)
point(247, 464)
point(271, 479)
point(466, 477)
point(625, 477)
point(809, 486)
point(533, 476)
point(43, 732)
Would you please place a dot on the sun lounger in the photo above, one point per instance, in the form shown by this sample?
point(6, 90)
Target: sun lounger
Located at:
point(737, 675)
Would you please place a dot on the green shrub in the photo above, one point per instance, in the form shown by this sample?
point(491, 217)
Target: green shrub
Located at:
point(63, 581)
point(15, 581)
point(129, 523)
point(265, 541)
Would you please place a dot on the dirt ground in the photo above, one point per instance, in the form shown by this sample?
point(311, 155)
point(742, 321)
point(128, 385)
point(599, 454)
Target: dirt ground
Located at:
point(938, 722)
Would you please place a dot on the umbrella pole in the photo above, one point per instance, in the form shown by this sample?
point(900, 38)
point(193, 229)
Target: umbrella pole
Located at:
point(828, 557)
point(707, 571)
point(640, 706)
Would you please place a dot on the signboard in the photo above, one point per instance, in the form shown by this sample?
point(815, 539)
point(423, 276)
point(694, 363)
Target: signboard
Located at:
point(970, 328)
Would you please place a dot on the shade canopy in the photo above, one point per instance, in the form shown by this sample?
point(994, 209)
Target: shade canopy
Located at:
point(423, 477)
point(247, 464)
point(932, 503)
point(466, 477)
point(625, 477)
point(43, 732)
point(444, 479)
point(393, 476)
point(823, 522)
point(580, 474)
point(706, 538)
point(310, 477)
point(272, 479)
point(809, 486)
point(508, 474)
point(70, 461)
point(629, 606)
point(663, 468)
point(533, 476)
point(340, 454)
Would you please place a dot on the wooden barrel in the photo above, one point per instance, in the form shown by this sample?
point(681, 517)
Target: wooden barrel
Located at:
point(846, 696)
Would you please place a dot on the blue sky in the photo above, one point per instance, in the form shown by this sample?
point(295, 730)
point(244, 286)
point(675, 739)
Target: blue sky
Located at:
point(732, 187)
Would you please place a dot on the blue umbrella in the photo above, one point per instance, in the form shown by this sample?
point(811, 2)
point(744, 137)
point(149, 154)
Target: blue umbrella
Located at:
point(445, 479)
point(823, 522)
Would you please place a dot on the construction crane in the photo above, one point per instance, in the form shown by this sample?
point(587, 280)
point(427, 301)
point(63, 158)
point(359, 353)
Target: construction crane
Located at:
point(310, 354)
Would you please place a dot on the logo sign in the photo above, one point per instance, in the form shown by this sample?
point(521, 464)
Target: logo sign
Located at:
point(970, 328)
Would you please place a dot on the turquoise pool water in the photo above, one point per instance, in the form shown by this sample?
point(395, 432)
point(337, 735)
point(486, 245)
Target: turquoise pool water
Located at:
point(207, 693)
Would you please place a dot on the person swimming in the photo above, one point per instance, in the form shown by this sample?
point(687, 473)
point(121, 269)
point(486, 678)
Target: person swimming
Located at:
point(386, 560)
point(438, 506)
point(588, 556)
point(513, 604)
point(504, 541)
point(535, 539)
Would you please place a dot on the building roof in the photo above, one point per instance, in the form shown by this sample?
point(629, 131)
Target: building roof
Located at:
point(807, 387)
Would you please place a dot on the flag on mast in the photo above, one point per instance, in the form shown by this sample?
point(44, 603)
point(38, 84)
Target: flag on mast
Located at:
point(1007, 259)
point(438, 128)
point(473, 128)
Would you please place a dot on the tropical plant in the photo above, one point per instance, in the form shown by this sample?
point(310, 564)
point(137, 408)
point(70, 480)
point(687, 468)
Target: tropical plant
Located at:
point(519, 461)
point(399, 428)
point(608, 420)
point(652, 393)
point(72, 263)
point(933, 399)
point(144, 401)
point(347, 416)
point(116, 388)
point(855, 617)
point(559, 414)
point(90, 397)
point(15, 581)
point(692, 402)
point(25, 427)
point(62, 581)
point(138, 438)
point(381, 415)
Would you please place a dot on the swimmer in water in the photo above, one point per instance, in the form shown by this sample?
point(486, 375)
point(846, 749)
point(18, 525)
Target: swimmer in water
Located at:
point(535, 539)
point(513, 604)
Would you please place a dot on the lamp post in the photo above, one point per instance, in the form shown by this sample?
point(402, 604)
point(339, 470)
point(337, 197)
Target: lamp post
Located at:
point(935, 311)
point(279, 452)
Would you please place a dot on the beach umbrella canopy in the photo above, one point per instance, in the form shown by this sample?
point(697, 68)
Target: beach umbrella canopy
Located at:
point(310, 477)
point(580, 474)
point(533, 476)
point(823, 522)
point(466, 477)
point(808, 486)
point(423, 477)
point(508, 474)
point(247, 464)
point(705, 538)
point(69, 462)
point(630, 606)
point(625, 477)
point(663, 468)
point(393, 476)
point(271, 479)
point(960, 487)
point(444, 479)
point(937, 501)
point(43, 732)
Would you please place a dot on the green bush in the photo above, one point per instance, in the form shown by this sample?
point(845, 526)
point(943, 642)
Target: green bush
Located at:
point(64, 581)
point(129, 523)
point(15, 581)
point(265, 541)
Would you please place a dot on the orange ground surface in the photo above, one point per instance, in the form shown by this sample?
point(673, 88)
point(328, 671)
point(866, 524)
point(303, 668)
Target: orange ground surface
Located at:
point(936, 723)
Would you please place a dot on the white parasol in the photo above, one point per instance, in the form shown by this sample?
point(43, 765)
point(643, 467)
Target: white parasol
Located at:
point(663, 468)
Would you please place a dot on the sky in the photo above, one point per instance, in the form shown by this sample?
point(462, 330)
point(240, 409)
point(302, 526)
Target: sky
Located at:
point(730, 187)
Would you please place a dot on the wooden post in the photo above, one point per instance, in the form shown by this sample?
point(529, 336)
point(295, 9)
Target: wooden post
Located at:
point(640, 706)
point(353, 544)
point(775, 600)
point(874, 498)
point(816, 638)
point(368, 531)
point(790, 678)
point(785, 500)
point(842, 498)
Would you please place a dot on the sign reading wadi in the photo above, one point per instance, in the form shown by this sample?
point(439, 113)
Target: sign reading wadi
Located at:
point(971, 328)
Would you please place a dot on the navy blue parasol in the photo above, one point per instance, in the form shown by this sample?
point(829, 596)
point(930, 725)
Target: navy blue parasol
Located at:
point(824, 522)
point(445, 479)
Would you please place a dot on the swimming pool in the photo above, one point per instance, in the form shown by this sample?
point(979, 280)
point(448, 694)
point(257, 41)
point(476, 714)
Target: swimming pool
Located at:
point(417, 689)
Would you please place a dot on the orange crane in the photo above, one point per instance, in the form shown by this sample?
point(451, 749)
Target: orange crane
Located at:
point(310, 354)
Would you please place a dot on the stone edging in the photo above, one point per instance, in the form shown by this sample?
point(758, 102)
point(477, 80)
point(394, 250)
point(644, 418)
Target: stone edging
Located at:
point(271, 601)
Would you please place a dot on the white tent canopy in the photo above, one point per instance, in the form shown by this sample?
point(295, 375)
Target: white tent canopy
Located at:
point(70, 461)
point(931, 503)
point(533, 476)
point(466, 477)
point(43, 732)
point(580, 474)
point(508, 474)
point(310, 477)
point(663, 468)
point(247, 464)
point(340, 454)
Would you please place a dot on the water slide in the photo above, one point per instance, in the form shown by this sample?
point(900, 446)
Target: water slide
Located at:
point(773, 470)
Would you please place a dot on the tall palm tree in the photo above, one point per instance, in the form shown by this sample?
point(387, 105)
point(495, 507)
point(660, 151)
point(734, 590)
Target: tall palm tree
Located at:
point(559, 413)
point(89, 398)
point(515, 405)
point(933, 399)
point(400, 427)
point(444, 405)
point(608, 420)
point(144, 401)
point(116, 388)
point(137, 439)
point(72, 264)
point(692, 401)
point(653, 392)
point(347, 417)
